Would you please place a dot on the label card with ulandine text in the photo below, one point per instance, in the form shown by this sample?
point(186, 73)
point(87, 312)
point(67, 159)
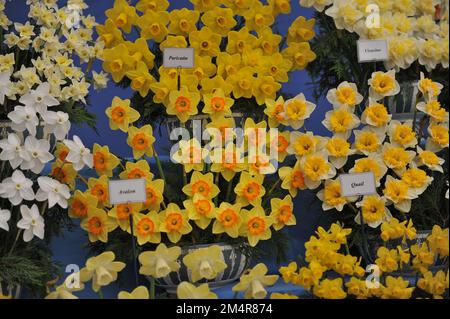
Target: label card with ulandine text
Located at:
point(372, 50)
point(127, 191)
point(358, 184)
point(178, 58)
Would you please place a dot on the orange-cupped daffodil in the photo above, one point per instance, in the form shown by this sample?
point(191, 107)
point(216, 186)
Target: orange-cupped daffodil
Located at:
point(228, 219)
point(141, 141)
point(256, 225)
point(81, 203)
point(174, 222)
point(282, 212)
point(104, 161)
point(146, 228)
point(121, 115)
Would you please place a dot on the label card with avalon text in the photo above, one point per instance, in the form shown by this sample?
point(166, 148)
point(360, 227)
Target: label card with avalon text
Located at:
point(178, 58)
point(127, 191)
point(372, 50)
point(358, 184)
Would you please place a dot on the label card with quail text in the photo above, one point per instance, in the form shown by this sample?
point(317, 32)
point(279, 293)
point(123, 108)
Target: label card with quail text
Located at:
point(182, 58)
point(358, 184)
point(127, 191)
point(372, 50)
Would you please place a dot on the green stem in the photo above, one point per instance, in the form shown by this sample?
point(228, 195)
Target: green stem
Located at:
point(15, 242)
point(100, 294)
point(152, 288)
point(229, 189)
point(158, 164)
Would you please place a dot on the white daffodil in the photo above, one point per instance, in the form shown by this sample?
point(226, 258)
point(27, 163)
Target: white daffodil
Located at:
point(383, 84)
point(429, 159)
point(345, 95)
point(53, 191)
point(100, 80)
point(32, 223)
point(402, 134)
point(39, 98)
point(338, 150)
point(399, 193)
point(297, 110)
point(57, 123)
point(345, 14)
point(13, 151)
point(5, 216)
point(79, 155)
point(5, 86)
point(319, 5)
point(368, 140)
point(39, 154)
point(373, 211)
point(17, 188)
point(24, 118)
point(341, 122)
point(316, 169)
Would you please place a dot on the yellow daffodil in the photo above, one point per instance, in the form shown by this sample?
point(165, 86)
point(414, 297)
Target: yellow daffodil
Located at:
point(161, 262)
point(163, 87)
point(174, 42)
point(174, 222)
point(269, 42)
point(205, 42)
point(250, 190)
point(121, 115)
point(402, 134)
point(140, 52)
point(201, 186)
point(138, 170)
point(109, 34)
point(429, 159)
point(117, 61)
point(300, 54)
point(275, 112)
point(417, 179)
point(303, 144)
point(141, 79)
point(102, 270)
point(433, 284)
point(152, 5)
point(154, 190)
point(258, 17)
point(146, 228)
point(99, 189)
point(228, 220)
point(104, 161)
point(374, 164)
point(301, 30)
point(330, 289)
point(345, 95)
point(331, 196)
point(254, 281)
point(183, 104)
point(203, 67)
point(123, 15)
point(316, 168)
point(221, 124)
point(238, 7)
point(424, 257)
point(153, 25)
point(210, 85)
point(387, 259)
point(183, 21)
point(81, 203)
point(293, 179)
point(341, 122)
point(228, 64)
point(219, 20)
point(338, 150)
point(383, 84)
point(297, 110)
point(200, 210)
point(122, 212)
point(205, 263)
point(276, 66)
point(358, 288)
point(396, 288)
point(276, 295)
point(260, 164)
point(399, 193)
point(240, 41)
point(256, 225)
point(190, 154)
point(242, 83)
point(217, 104)
point(140, 292)
point(375, 114)
point(265, 87)
point(61, 151)
point(227, 162)
point(186, 290)
point(280, 144)
point(438, 241)
point(429, 88)
point(438, 137)
point(64, 173)
point(434, 109)
point(396, 158)
point(368, 140)
point(255, 135)
point(282, 212)
point(373, 210)
point(141, 141)
point(394, 229)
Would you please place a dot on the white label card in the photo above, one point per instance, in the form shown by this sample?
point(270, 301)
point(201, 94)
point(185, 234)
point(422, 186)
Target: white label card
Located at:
point(127, 191)
point(178, 58)
point(372, 50)
point(358, 184)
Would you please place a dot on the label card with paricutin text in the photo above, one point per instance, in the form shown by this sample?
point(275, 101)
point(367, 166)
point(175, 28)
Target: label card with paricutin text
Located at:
point(178, 58)
point(372, 50)
point(127, 191)
point(359, 184)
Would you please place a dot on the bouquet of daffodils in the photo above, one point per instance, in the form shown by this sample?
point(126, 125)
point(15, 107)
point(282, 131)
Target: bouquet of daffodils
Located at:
point(42, 92)
point(241, 59)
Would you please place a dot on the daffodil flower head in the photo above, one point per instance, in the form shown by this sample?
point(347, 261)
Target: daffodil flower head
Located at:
point(254, 281)
point(161, 262)
point(121, 115)
point(205, 263)
point(186, 290)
